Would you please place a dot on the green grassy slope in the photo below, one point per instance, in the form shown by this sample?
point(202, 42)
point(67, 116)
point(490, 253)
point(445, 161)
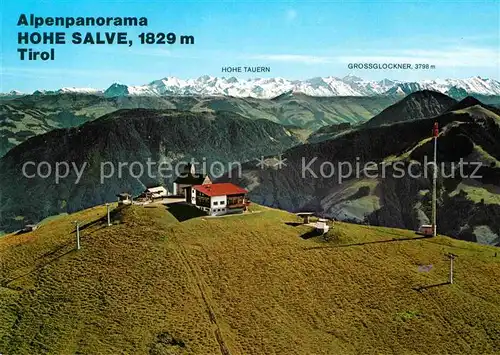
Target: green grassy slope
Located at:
point(244, 284)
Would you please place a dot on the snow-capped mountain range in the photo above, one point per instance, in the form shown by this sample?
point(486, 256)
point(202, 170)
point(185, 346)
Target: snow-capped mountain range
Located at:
point(273, 87)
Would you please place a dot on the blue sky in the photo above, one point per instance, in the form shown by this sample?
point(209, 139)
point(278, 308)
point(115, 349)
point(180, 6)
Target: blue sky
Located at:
point(298, 40)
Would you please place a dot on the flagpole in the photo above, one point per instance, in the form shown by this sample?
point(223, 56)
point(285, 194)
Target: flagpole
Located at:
point(434, 182)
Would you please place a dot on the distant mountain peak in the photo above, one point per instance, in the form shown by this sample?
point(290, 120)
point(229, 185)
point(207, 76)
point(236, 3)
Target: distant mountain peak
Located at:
point(426, 93)
point(417, 105)
point(232, 80)
point(12, 93)
point(286, 94)
point(351, 78)
point(116, 89)
point(79, 90)
point(469, 101)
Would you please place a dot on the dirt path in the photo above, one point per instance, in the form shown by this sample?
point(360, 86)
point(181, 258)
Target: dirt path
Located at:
point(204, 296)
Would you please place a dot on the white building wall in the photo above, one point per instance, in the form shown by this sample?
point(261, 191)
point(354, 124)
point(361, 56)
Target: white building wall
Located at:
point(193, 196)
point(218, 205)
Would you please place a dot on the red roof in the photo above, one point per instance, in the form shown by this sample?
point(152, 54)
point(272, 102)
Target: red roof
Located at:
point(220, 189)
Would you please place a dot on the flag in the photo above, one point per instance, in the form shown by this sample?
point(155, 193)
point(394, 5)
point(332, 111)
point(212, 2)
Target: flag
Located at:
point(436, 129)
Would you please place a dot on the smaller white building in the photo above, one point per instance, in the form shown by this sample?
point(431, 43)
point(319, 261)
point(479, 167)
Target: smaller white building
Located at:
point(124, 198)
point(30, 228)
point(426, 229)
point(322, 226)
point(156, 192)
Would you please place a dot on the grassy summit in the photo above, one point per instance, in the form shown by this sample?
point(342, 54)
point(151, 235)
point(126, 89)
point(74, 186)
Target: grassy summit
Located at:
point(246, 284)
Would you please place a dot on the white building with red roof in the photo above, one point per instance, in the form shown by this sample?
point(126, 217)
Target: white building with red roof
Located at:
point(219, 199)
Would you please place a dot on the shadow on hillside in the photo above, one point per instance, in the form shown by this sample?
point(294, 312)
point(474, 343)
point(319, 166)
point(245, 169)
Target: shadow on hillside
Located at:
point(311, 234)
point(183, 212)
point(294, 224)
point(114, 214)
point(367, 243)
point(43, 264)
point(423, 288)
point(102, 222)
point(53, 253)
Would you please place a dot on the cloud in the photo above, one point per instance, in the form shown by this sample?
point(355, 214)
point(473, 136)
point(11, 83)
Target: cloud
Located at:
point(291, 15)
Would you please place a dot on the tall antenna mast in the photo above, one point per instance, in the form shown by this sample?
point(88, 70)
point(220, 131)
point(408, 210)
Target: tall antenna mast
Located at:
point(434, 181)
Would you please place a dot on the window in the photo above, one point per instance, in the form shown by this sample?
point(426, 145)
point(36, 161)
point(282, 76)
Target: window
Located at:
point(235, 200)
point(215, 203)
point(223, 203)
point(202, 200)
